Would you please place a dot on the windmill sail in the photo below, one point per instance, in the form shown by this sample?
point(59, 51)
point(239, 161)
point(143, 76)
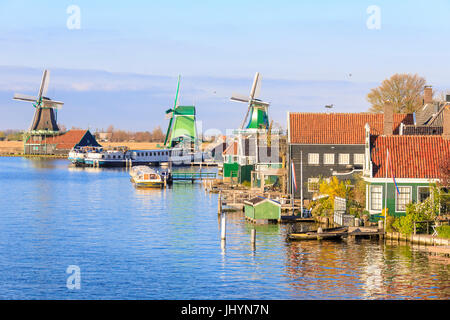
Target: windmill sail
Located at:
point(24, 97)
point(44, 84)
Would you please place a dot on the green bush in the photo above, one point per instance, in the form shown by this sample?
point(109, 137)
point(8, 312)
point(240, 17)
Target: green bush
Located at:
point(443, 232)
point(416, 212)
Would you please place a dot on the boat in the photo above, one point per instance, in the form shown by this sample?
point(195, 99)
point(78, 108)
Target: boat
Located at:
point(329, 233)
point(144, 176)
point(78, 154)
point(123, 157)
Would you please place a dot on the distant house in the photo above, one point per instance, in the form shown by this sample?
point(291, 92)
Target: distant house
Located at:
point(62, 143)
point(428, 120)
point(104, 136)
point(414, 161)
point(332, 144)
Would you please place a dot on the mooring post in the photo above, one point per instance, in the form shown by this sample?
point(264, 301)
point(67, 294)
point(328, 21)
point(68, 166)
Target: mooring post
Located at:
point(219, 205)
point(223, 227)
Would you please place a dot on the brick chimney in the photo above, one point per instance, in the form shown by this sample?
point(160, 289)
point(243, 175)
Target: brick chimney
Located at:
point(427, 95)
point(446, 123)
point(388, 124)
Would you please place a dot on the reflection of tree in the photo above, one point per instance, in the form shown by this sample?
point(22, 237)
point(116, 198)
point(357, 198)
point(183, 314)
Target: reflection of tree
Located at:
point(362, 269)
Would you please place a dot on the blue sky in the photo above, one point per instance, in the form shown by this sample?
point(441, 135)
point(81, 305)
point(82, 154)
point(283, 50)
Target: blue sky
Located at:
point(127, 55)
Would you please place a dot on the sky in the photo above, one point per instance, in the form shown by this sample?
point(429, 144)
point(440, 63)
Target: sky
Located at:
point(120, 66)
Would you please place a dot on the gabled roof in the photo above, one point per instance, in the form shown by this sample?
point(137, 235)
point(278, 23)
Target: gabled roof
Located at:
point(67, 140)
point(258, 200)
point(338, 128)
point(411, 156)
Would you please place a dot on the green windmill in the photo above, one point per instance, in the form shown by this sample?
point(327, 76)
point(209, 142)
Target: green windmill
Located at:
point(257, 109)
point(181, 131)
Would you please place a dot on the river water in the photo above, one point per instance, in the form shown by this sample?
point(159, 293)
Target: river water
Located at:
point(165, 244)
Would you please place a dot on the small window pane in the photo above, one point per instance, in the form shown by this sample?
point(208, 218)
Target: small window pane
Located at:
point(313, 158)
point(403, 198)
point(328, 158)
point(358, 158)
point(344, 158)
point(376, 197)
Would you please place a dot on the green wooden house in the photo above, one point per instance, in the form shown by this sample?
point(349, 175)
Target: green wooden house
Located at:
point(412, 161)
point(263, 210)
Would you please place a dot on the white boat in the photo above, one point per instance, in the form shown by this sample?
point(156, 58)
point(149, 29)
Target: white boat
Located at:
point(78, 155)
point(144, 176)
point(123, 158)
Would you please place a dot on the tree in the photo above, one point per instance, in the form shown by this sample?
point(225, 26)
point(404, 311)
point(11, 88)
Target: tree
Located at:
point(404, 91)
point(158, 135)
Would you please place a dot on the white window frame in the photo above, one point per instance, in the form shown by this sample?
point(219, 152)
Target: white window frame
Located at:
point(313, 156)
point(341, 155)
point(418, 193)
point(381, 197)
point(311, 181)
point(355, 158)
point(396, 198)
point(327, 157)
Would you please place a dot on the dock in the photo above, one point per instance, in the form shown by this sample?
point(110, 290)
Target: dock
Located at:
point(193, 176)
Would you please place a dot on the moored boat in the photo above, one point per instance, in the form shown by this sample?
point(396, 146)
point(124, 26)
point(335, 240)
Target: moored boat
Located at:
point(330, 233)
point(78, 155)
point(144, 176)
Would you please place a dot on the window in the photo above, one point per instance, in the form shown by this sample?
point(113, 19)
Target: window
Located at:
point(376, 197)
point(313, 158)
point(402, 198)
point(328, 158)
point(344, 158)
point(358, 158)
point(423, 193)
point(313, 184)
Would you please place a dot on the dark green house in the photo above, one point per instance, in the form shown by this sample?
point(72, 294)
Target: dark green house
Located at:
point(412, 161)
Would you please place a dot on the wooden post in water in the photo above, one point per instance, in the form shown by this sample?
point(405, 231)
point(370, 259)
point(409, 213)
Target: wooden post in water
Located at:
point(253, 236)
point(219, 204)
point(223, 227)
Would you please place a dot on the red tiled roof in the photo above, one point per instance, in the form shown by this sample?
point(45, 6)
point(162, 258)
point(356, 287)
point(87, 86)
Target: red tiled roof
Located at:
point(67, 140)
point(411, 156)
point(339, 128)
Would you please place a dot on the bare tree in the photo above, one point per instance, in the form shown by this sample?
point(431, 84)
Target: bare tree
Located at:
point(404, 91)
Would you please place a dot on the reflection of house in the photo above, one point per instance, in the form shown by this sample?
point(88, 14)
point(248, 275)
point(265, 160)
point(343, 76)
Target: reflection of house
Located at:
point(333, 144)
point(60, 144)
point(414, 162)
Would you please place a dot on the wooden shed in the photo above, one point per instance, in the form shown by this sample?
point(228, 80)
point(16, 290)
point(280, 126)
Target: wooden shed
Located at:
point(262, 210)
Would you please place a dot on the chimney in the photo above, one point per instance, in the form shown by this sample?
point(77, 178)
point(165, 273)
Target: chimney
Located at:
point(446, 123)
point(427, 95)
point(388, 124)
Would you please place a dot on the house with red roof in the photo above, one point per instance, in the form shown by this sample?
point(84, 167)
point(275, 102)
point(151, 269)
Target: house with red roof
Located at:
point(61, 143)
point(400, 169)
point(322, 145)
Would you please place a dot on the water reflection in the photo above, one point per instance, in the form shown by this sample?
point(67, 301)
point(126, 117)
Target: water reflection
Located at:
point(165, 244)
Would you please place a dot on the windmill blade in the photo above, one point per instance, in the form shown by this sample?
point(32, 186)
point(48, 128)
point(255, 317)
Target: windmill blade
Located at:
point(254, 86)
point(52, 104)
point(246, 116)
point(178, 90)
point(239, 98)
point(24, 97)
point(258, 87)
point(44, 84)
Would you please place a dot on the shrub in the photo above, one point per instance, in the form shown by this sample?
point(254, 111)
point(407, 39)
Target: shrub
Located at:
point(443, 232)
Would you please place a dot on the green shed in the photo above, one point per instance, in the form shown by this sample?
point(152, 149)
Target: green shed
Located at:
point(260, 209)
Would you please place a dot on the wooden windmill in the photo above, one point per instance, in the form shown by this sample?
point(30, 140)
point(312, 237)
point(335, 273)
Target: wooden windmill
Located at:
point(44, 120)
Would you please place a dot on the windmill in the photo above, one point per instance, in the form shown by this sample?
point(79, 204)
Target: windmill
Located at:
point(182, 126)
point(44, 120)
point(258, 110)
